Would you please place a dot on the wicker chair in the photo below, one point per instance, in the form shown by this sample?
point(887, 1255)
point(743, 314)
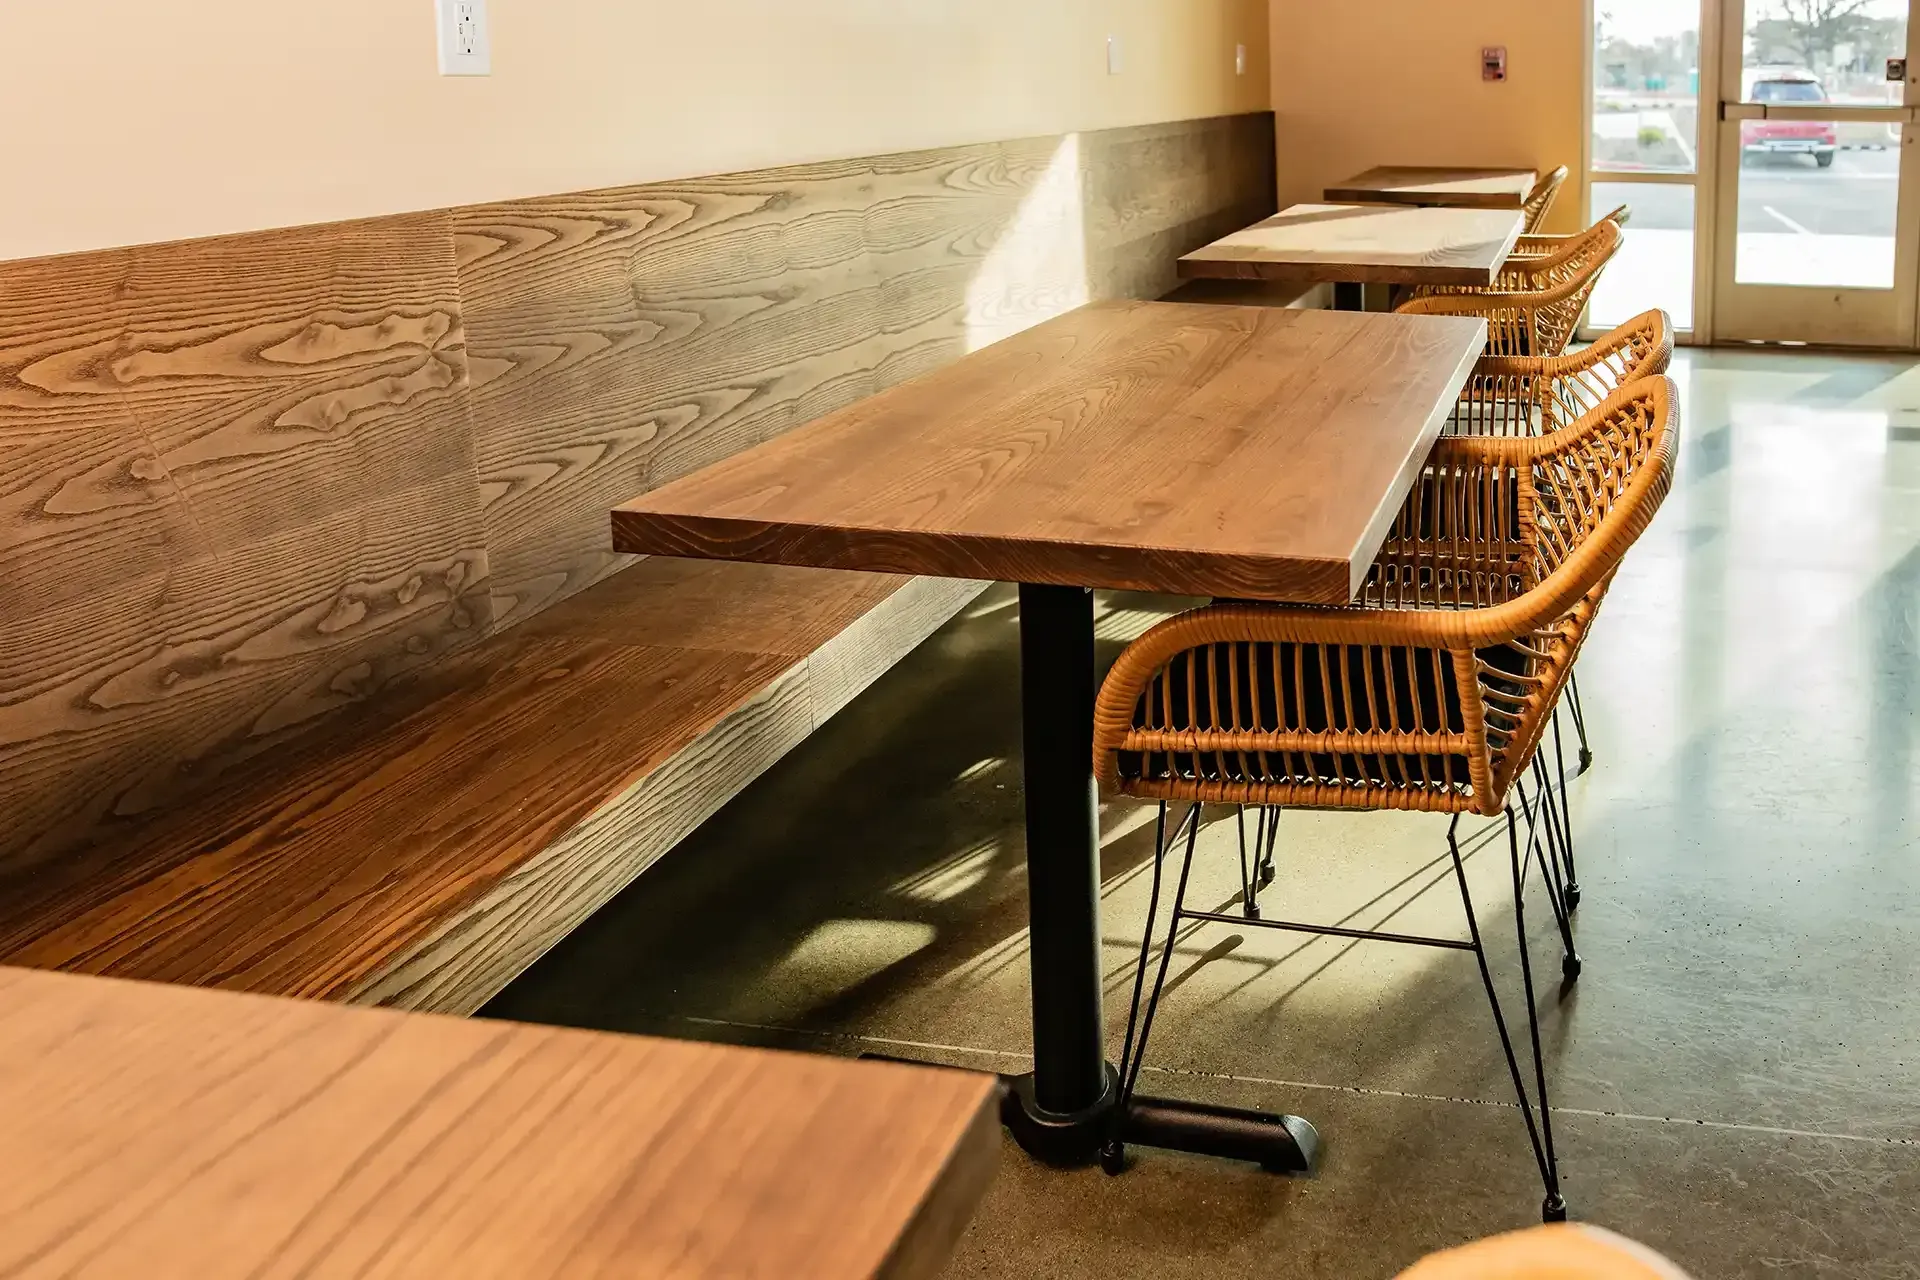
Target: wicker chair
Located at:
point(1534, 306)
point(1545, 246)
point(1537, 395)
point(1529, 395)
point(1431, 694)
point(1539, 201)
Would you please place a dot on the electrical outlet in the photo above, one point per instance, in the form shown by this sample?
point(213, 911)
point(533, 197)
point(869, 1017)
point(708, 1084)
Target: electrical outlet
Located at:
point(466, 49)
point(1239, 59)
point(1113, 55)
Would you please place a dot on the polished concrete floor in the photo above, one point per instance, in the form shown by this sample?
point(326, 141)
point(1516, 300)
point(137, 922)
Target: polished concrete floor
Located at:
point(1737, 1075)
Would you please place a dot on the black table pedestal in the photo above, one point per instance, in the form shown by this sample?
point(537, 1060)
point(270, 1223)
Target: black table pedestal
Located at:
point(1064, 1109)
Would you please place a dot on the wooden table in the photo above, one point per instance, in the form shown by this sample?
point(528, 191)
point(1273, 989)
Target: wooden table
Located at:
point(1357, 244)
point(1437, 187)
point(172, 1131)
point(1199, 450)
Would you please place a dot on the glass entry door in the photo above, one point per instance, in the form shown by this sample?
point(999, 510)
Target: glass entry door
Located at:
point(1818, 224)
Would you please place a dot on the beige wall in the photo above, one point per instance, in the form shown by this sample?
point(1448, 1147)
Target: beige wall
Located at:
point(163, 121)
point(1365, 82)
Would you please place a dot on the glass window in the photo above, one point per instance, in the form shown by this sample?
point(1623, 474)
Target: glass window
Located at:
point(1813, 212)
point(1822, 50)
point(1819, 198)
point(1646, 85)
point(1787, 91)
point(1654, 268)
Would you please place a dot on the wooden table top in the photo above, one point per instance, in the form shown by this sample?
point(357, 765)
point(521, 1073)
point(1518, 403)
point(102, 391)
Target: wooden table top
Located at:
point(1238, 451)
point(1364, 244)
point(173, 1131)
point(1436, 187)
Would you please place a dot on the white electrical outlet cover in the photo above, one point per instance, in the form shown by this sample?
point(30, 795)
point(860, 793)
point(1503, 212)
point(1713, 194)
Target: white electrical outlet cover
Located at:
point(1113, 55)
point(1239, 59)
point(466, 44)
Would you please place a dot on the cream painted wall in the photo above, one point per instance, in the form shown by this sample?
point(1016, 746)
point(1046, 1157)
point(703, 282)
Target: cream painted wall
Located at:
point(136, 122)
point(1363, 82)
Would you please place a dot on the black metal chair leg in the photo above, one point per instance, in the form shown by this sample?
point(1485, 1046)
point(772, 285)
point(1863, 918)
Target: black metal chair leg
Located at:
point(1539, 1133)
point(1554, 1207)
point(1146, 936)
point(1579, 720)
point(1113, 1153)
point(1270, 819)
point(1249, 888)
point(1539, 846)
point(1572, 895)
point(1553, 857)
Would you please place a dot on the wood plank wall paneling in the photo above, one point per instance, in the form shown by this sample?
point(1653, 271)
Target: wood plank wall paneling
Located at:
point(621, 339)
point(239, 493)
point(249, 480)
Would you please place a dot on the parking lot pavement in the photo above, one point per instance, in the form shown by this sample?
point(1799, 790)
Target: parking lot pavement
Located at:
point(1856, 197)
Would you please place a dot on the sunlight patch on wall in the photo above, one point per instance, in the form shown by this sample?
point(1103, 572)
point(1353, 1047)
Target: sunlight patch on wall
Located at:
point(1038, 268)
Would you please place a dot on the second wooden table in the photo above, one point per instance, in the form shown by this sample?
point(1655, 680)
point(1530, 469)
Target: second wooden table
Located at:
point(1436, 187)
point(1358, 244)
point(1196, 450)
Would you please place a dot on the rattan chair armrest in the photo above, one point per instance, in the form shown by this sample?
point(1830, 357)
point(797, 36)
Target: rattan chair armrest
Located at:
point(1534, 245)
point(1438, 705)
point(1622, 338)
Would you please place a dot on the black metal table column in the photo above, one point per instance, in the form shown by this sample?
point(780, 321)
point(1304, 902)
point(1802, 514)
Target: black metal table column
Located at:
point(1063, 1110)
point(1059, 1112)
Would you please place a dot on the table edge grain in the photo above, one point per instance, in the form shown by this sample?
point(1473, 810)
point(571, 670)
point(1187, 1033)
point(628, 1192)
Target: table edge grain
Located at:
point(1375, 534)
point(946, 554)
point(1342, 272)
point(1497, 201)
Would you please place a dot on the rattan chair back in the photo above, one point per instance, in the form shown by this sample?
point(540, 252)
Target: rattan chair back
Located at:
point(1431, 693)
point(1531, 395)
point(1539, 201)
point(1535, 305)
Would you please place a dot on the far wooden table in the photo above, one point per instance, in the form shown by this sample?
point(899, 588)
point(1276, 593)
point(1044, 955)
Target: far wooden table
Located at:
point(1359, 244)
point(1196, 450)
point(171, 1131)
point(1437, 187)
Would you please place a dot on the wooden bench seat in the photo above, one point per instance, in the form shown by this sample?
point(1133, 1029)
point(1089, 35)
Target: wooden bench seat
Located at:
point(423, 854)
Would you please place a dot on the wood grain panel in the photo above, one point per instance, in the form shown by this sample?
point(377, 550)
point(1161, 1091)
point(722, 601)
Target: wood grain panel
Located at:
point(265, 497)
point(1237, 451)
point(306, 889)
point(474, 951)
point(240, 495)
point(424, 850)
point(706, 604)
point(623, 339)
point(482, 947)
point(1157, 191)
point(161, 1131)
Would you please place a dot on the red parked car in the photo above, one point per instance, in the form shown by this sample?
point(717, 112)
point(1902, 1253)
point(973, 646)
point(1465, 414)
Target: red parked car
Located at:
point(1816, 138)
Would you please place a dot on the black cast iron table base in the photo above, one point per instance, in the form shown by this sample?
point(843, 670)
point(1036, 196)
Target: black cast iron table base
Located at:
point(1066, 1109)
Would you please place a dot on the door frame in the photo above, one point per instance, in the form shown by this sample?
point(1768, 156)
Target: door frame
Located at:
point(1703, 179)
point(1765, 313)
